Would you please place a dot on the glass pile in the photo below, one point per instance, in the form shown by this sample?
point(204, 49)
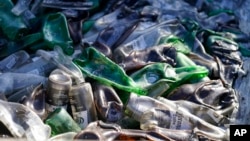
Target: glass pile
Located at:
point(123, 69)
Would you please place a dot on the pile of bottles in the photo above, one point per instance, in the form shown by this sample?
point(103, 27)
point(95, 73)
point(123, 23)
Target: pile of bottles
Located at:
point(119, 69)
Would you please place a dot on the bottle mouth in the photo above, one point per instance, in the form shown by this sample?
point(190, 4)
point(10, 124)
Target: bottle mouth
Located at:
point(60, 81)
point(59, 78)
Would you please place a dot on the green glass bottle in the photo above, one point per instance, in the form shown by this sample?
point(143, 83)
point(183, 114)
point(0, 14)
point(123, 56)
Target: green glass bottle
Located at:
point(176, 42)
point(11, 25)
point(183, 60)
point(182, 50)
point(95, 65)
point(53, 33)
point(61, 122)
point(56, 32)
point(212, 39)
point(228, 53)
point(11, 47)
point(165, 76)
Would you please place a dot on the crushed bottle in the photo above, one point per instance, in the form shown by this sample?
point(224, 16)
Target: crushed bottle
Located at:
point(123, 69)
point(22, 122)
point(58, 89)
point(82, 104)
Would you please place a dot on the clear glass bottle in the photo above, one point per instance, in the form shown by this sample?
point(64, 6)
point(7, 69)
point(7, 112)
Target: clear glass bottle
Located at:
point(136, 59)
point(82, 104)
point(212, 94)
point(13, 82)
point(152, 112)
point(38, 66)
point(63, 62)
point(145, 38)
point(100, 24)
point(36, 101)
point(22, 122)
point(58, 88)
point(20, 95)
point(108, 103)
point(14, 60)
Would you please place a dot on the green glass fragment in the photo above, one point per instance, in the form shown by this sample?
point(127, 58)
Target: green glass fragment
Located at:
point(99, 67)
point(12, 26)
